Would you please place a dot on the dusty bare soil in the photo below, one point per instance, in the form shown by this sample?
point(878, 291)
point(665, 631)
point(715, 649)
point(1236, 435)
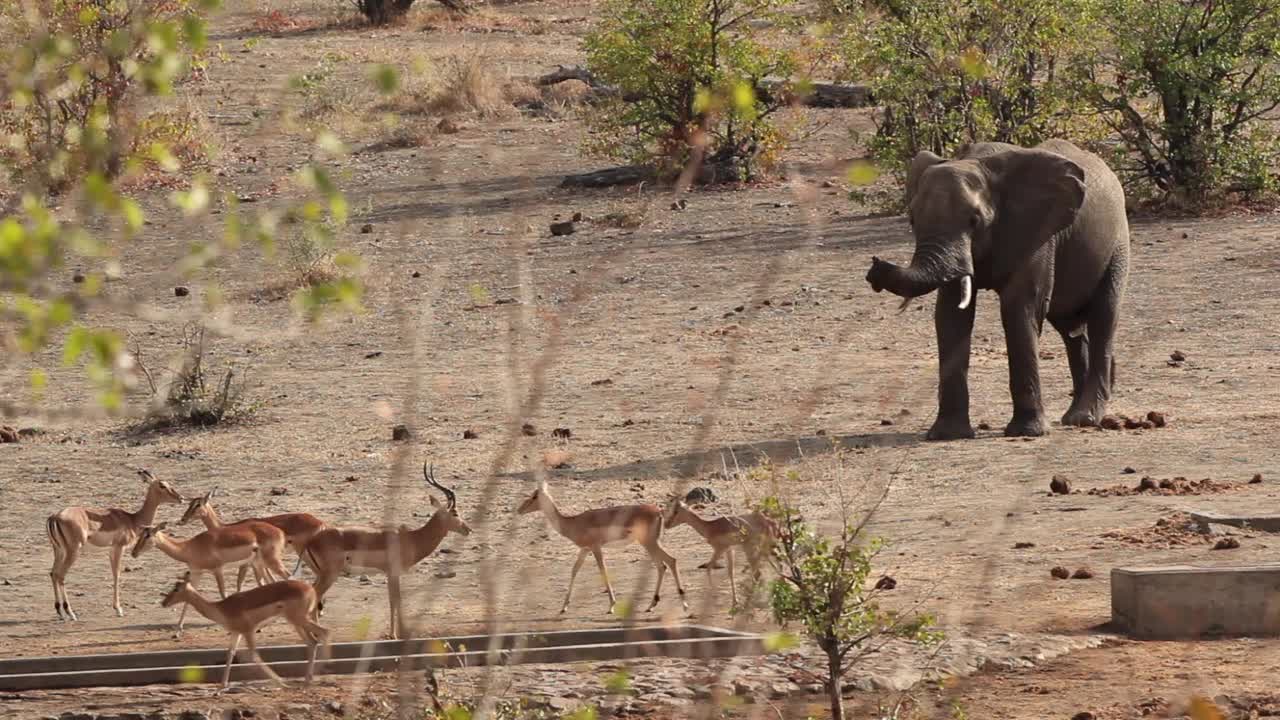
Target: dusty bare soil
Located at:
point(734, 328)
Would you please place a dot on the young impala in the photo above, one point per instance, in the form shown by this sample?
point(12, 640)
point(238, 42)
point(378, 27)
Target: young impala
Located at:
point(211, 549)
point(70, 529)
point(298, 528)
point(338, 551)
point(753, 531)
point(591, 530)
point(244, 612)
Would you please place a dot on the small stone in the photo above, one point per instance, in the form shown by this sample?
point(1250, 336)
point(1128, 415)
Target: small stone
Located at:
point(1226, 543)
point(628, 422)
point(1157, 418)
point(181, 291)
point(1111, 422)
point(1060, 573)
point(446, 574)
point(1128, 471)
point(469, 434)
point(1256, 479)
point(740, 308)
point(1082, 574)
point(1147, 483)
point(1060, 485)
point(602, 383)
point(528, 430)
point(400, 433)
point(77, 277)
point(700, 496)
point(1086, 715)
point(1167, 484)
point(447, 126)
point(8, 434)
point(562, 433)
point(577, 217)
point(366, 228)
point(1131, 424)
point(278, 491)
point(984, 426)
point(416, 274)
point(885, 422)
point(886, 583)
point(334, 707)
point(1177, 356)
point(1023, 545)
point(563, 228)
point(1147, 425)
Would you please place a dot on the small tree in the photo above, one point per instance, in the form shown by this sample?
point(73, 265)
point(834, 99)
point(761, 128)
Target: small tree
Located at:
point(1186, 86)
point(948, 73)
point(688, 75)
point(822, 586)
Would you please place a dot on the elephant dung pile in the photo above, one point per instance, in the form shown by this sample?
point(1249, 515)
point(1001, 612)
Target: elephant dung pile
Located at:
point(1168, 486)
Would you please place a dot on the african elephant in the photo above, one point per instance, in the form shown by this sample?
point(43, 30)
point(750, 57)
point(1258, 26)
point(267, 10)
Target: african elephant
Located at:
point(1045, 228)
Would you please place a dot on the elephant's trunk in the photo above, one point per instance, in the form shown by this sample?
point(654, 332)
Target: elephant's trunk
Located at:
point(932, 266)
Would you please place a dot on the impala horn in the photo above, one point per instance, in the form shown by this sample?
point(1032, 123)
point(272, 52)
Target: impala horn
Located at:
point(430, 475)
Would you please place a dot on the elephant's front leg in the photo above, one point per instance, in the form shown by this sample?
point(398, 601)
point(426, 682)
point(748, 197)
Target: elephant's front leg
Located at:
point(954, 329)
point(1023, 319)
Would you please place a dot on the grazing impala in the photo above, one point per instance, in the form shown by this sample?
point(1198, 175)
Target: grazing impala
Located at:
point(593, 529)
point(338, 551)
point(298, 528)
point(70, 529)
point(753, 531)
point(244, 612)
point(211, 549)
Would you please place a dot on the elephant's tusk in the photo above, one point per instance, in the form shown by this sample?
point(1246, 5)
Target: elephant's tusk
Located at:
point(966, 291)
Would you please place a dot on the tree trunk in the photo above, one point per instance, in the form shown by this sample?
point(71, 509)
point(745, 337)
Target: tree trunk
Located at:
point(833, 684)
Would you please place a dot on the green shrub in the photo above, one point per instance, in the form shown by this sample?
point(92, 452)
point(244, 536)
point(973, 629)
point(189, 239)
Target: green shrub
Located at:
point(946, 73)
point(1186, 87)
point(688, 78)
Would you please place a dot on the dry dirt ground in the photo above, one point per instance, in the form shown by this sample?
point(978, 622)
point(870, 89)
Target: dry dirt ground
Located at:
point(738, 325)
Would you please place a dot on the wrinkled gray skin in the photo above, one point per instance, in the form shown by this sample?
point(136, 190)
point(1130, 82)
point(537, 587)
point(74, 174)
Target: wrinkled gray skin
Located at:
point(1045, 228)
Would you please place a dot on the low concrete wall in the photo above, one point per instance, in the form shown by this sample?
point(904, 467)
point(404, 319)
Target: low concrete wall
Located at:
point(1183, 602)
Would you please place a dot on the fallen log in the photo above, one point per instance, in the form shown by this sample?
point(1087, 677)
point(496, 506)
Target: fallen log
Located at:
point(612, 177)
point(818, 95)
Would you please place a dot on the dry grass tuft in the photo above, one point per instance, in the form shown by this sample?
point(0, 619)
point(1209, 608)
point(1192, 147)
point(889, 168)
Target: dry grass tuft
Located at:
point(480, 20)
point(470, 85)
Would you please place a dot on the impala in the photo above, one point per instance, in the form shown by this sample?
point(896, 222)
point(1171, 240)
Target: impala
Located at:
point(70, 529)
point(298, 528)
point(211, 549)
point(338, 551)
point(244, 612)
point(753, 531)
point(591, 530)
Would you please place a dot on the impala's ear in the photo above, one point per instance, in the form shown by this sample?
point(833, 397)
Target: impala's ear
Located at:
point(434, 501)
point(209, 495)
point(160, 526)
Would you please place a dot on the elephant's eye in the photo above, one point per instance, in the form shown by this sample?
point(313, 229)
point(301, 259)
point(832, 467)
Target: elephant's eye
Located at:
point(976, 220)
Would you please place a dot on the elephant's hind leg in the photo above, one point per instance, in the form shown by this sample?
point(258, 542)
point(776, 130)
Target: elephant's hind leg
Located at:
point(1090, 404)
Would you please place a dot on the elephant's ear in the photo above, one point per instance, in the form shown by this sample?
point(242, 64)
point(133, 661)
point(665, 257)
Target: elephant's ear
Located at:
point(921, 162)
point(1036, 193)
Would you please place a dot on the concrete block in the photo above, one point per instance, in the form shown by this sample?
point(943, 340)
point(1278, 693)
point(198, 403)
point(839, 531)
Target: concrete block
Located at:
point(1261, 523)
point(1183, 601)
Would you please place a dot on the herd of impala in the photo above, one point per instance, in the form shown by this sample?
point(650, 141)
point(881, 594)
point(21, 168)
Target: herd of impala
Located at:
point(257, 544)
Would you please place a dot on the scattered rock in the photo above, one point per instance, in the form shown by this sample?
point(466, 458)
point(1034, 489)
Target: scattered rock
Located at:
point(885, 422)
point(1110, 422)
point(1256, 479)
point(886, 583)
point(8, 434)
point(1226, 543)
point(1083, 573)
point(1177, 356)
point(366, 228)
point(400, 432)
point(1129, 471)
point(528, 430)
point(1130, 423)
point(334, 707)
point(372, 355)
point(984, 426)
point(1157, 418)
point(416, 274)
point(446, 574)
point(351, 478)
point(1023, 545)
point(602, 383)
point(1086, 715)
point(469, 434)
point(1060, 485)
point(1060, 573)
point(181, 291)
point(1147, 483)
point(1167, 484)
point(77, 277)
point(700, 496)
point(447, 126)
point(563, 228)
point(278, 491)
point(577, 217)
point(628, 422)
point(562, 433)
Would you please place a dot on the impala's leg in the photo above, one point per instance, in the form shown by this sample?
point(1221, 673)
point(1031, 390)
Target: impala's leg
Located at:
point(242, 571)
point(193, 577)
point(117, 552)
point(72, 553)
point(604, 575)
point(231, 657)
point(62, 559)
point(733, 584)
point(393, 595)
point(222, 582)
point(577, 565)
point(253, 650)
point(324, 581)
point(275, 566)
point(667, 561)
point(715, 557)
point(300, 625)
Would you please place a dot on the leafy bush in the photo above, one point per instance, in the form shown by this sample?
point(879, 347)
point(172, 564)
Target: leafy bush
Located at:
point(76, 66)
point(1186, 86)
point(821, 585)
point(688, 75)
point(947, 73)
